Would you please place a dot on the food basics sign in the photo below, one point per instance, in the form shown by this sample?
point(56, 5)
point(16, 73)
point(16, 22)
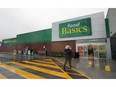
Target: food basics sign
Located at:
point(75, 28)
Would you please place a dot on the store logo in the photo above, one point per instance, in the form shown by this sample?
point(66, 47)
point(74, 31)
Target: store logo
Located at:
point(75, 28)
point(10, 41)
point(73, 25)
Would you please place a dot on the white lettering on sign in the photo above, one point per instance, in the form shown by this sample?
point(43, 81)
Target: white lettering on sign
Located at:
point(73, 25)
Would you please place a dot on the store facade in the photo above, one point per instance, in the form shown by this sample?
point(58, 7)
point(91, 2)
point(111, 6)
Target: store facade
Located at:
point(88, 32)
point(86, 35)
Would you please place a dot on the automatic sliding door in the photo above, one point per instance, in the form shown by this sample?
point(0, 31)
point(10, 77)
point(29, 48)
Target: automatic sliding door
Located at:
point(80, 50)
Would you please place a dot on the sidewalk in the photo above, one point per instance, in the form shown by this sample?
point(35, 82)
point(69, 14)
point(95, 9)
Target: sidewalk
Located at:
point(94, 68)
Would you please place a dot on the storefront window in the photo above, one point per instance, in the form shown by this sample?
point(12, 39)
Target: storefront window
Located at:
point(102, 53)
point(91, 49)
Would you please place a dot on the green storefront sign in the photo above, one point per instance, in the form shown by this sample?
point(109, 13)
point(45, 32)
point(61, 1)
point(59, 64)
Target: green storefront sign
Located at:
point(75, 28)
point(10, 41)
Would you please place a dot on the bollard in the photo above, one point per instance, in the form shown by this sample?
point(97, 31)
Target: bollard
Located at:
point(107, 68)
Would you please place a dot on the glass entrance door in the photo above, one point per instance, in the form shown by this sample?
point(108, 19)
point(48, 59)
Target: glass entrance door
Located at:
point(80, 50)
point(102, 51)
point(91, 51)
point(95, 51)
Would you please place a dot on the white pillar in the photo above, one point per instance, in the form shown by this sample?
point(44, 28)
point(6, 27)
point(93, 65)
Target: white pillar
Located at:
point(108, 47)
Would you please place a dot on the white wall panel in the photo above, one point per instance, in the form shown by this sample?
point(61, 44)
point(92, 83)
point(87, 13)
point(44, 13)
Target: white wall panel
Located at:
point(97, 24)
point(112, 20)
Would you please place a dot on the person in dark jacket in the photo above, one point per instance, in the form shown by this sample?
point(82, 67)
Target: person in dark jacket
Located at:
point(32, 51)
point(68, 56)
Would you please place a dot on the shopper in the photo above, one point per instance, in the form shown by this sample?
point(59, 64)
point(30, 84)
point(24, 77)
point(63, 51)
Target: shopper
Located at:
point(31, 51)
point(68, 56)
point(14, 52)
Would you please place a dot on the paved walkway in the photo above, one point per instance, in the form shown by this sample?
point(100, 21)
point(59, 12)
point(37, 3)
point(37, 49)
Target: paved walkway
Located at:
point(52, 68)
point(35, 67)
point(95, 68)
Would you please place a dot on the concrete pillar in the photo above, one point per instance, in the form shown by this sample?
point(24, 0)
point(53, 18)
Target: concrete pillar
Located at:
point(108, 48)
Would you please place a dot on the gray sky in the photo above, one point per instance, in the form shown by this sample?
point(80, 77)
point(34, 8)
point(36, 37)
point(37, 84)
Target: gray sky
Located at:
point(15, 21)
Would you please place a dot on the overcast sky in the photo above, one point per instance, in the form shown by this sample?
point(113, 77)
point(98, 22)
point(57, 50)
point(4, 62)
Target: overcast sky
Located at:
point(15, 21)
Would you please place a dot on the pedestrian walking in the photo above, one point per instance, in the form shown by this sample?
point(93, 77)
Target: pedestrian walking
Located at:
point(68, 56)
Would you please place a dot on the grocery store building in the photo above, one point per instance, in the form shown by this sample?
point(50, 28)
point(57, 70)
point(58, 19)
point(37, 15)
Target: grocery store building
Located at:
point(83, 34)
